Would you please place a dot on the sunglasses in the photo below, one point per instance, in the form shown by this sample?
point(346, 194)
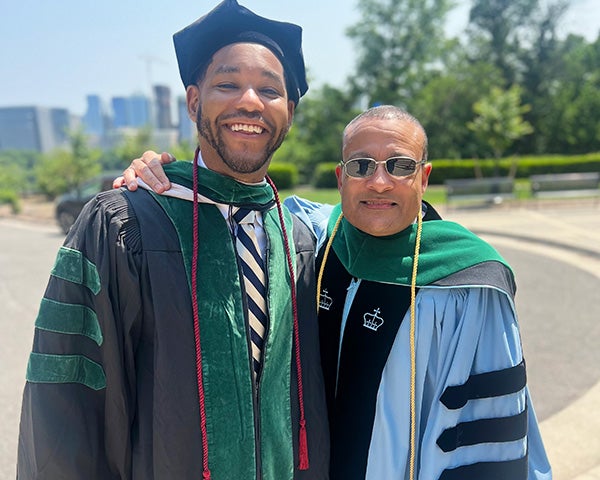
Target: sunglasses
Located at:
point(395, 166)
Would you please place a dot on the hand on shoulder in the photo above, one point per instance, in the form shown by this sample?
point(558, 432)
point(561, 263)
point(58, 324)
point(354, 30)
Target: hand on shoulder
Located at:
point(149, 167)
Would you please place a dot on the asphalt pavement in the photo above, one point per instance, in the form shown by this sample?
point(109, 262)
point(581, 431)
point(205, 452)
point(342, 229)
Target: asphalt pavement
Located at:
point(569, 234)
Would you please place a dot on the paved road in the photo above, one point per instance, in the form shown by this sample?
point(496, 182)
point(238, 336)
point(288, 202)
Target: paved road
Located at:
point(558, 300)
point(551, 296)
point(26, 255)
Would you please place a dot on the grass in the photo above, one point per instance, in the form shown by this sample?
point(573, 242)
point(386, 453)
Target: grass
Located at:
point(321, 195)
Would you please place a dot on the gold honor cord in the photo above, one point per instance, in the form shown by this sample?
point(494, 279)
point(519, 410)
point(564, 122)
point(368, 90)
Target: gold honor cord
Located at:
point(413, 352)
point(413, 349)
point(325, 255)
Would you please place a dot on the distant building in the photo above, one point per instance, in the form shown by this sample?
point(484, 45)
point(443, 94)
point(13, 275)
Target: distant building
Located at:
point(139, 111)
point(163, 106)
point(60, 120)
point(120, 108)
point(186, 129)
point(133, 111)
point(44, 129)
point(94, 118)
point(34, 128)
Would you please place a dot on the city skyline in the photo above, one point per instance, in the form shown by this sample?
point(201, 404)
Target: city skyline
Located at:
point(44, 129)
point(112, 49)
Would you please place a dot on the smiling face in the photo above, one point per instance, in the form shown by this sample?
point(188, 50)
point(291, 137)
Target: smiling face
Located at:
point(381, 204)
point(242, 110)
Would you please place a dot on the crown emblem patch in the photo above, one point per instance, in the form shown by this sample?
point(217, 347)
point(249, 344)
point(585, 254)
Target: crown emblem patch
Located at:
point(372, 320)
point(325, 300)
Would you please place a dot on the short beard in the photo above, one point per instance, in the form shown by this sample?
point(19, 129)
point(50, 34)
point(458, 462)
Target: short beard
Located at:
point(237, 163)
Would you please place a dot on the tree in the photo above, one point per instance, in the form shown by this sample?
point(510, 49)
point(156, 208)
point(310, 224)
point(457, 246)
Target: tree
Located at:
point(132, 146)
point(183, 151)
point(63, 170)
point(445, 105)
point(316, 134)
point(397, 42)
point(499, 121)
point(498, 31)
point(581, 117)
point(544, 66)
point(21, 164)
point(12, 183)
point(571, 123)
point(296, 151)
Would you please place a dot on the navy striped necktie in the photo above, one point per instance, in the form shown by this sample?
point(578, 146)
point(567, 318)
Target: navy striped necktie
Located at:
point(254, 281)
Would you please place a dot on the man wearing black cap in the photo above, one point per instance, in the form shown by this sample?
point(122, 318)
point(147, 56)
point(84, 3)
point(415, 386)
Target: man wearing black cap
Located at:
point(167, 344)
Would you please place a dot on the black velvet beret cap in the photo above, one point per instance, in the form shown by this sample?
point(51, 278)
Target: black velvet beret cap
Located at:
point(230, 23)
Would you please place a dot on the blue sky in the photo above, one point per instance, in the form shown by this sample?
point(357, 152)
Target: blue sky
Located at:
point(53, 54)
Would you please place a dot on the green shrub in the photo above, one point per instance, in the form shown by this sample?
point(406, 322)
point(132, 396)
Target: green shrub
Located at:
point(520, 167)
point(558, 164)
point(10, 197)
point(324, 176)
point(284, 175)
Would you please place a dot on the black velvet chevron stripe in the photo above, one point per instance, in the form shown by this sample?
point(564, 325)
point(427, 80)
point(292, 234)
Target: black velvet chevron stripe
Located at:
point(489, 430)
point(485, 385)
point(513, 470)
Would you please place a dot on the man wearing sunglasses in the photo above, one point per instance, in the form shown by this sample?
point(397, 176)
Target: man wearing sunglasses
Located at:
point(420, 344)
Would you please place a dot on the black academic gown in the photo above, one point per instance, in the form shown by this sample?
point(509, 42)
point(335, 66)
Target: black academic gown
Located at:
point(126, 403)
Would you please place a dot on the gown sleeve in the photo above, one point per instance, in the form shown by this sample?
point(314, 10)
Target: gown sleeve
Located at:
point(78, 399)
point(475, 416)
point(481, 423)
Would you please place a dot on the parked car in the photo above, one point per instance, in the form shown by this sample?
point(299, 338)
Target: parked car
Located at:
point(70, 204)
